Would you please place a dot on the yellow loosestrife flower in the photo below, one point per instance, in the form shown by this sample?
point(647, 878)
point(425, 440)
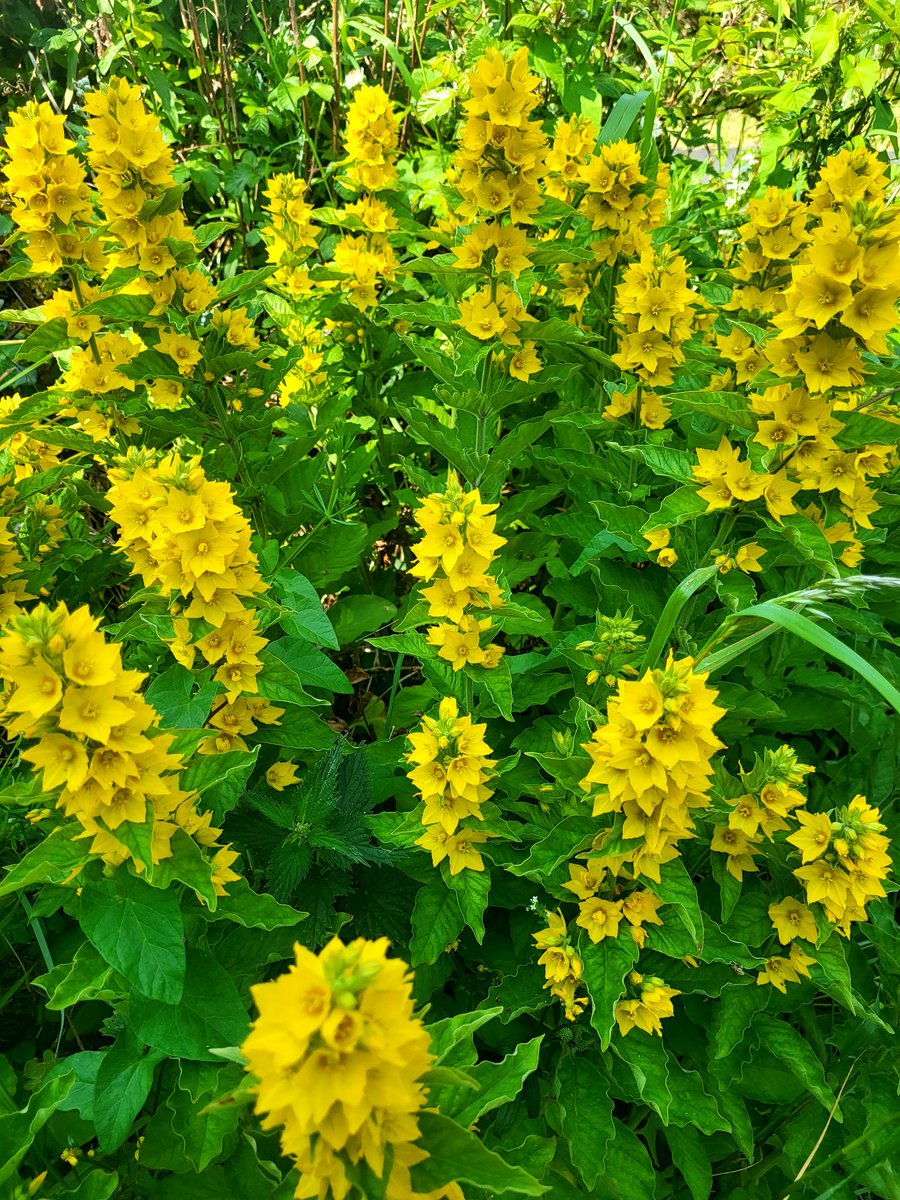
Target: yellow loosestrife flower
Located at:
point(338, 1055)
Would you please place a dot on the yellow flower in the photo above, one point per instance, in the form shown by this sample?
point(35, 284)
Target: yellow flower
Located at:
point(657, 539)
point(600, 918)
point(640, 702)
point(524, 363)
point(825, 883)
point(337, 1056)
point(281, 775)
point(778, 972)
point(792, 919)
point(480, 316)
point(813, 837)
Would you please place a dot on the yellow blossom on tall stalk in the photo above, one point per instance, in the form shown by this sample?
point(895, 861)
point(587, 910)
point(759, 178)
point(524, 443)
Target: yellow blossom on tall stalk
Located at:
point(132, 169)
point(844, 860)
point(621, 201)
point(184, 534)
point(649, 1008)
point(770, 799)
point(657, 313)
point(366, 260)
point(455, 557)
point(826, 274)
point(562, 965)
point(51, 200)
point(496, 172)
point(338, 1055)
point(652, 760)
point(451, 771)
point(95, 740)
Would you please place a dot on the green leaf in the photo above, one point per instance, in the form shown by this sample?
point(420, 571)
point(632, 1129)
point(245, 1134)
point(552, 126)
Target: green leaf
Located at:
point(734, 1015)
point(18, 1128)
point(691, 1159)
point(123, 1084)
point(53, 861)
point(498, 1083)
point(676, 887)
point(606, 964)
point(782, 1040)
point(189, 865)
point(172, 695)
point(497, 682)
point(355, 616)
point(691, 1103)
point(46, 339)
point(729, 407)
point(456, 1155)
point(801, 626)
point(678, 508)
point(311, 666)
point(625, 112)
point(676, 602)
point(648, 1059)
point(254, 910)
point(587, 1120)
point(211, 1013)
point(627, 1173)
point(138, 930)
point(662, 460)
point(571, 834)
point(472, 889)
point(306, 618)
point(220, 779)
point(87, 977)
point(436, 921)
point(451, 1033)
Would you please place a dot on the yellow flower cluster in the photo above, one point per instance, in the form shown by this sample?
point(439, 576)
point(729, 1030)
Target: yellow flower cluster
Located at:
point(618, 201)
point(653, 759)
point(771, 236)
point(371, 140)
point(13, 589)
point(844, 860)
point(51, 201)
point(96, 741)
point(502, 154)
point(562, 965)
point(289, 233)
point(497, 311)
point(290, 236)
point(649, 1008)
point(132, 169)
point(656, 311)
point(302, 383)
point(844, 289)
point(496, 172)
point(764, 807)
point(367, 260)
point(816, 463)
point(338, 1055)
point(652, 411)
point(456, 554)
point(827, 275)
point(451, 773)
point(364, 262)
point(600, 917)
point(184, 534)
point(572, 145)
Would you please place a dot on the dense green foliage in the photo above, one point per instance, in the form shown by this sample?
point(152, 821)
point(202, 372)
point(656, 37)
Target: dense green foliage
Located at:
point(308, 360)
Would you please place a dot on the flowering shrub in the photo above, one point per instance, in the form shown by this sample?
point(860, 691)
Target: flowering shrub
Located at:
point(450, 687)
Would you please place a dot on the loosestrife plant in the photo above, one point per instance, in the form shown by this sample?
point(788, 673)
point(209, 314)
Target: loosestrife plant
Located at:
point(448, 677)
